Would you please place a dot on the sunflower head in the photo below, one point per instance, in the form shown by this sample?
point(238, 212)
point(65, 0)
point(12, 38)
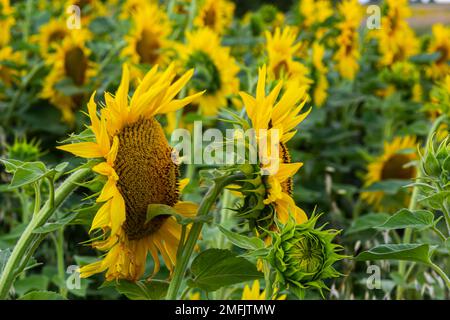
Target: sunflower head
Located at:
point(269, 186)
point(50, 35)
point(148, 41)
point(70, 64)
point(216, 15)
point(394, 164)
point(440, 43)
point(303, 256)
point(140, 176)
point(6, 21)
point(215, 69)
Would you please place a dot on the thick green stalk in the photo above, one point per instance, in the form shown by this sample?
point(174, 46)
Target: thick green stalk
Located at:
point(205, 206)
point(22, 248)
point(413, 203)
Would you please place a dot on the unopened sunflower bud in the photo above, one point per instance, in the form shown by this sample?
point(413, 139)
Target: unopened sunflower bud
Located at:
point(303, 255)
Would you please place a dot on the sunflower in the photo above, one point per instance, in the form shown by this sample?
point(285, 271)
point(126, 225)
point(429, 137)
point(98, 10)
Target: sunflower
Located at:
point(347, 55)
point(254, 293)
point(70, 62)
point(6, 21)
point(139, 171)
point(267, 114)
point(129, 7)
point(215, 70)
point(8, 74)
point(281, 50)
point(396, 40)
point(393, 164)
point(216, 15)
point(440, 43)
point(51, 34)
point(320, 71)
point(314, 12)
point(90, 9)
point(148, 41)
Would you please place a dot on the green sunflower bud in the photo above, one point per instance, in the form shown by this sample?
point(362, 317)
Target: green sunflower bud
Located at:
point(303, 255)
point(24, 150)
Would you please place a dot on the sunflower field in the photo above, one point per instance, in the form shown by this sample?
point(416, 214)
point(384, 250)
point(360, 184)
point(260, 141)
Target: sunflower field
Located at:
point(224, 150)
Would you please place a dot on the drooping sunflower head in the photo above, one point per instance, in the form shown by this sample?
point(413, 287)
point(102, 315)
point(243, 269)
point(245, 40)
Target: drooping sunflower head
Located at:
point(303, 256)
point(215, 69)
point(148, 41)
point(440, 43)
point(394, 164)
point(216, 15)
point(70, 64)
point(142, 182)
point(269, 115)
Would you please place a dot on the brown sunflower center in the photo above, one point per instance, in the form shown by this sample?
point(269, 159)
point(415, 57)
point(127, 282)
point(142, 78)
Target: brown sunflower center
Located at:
point(75, 65)
point(210, 18)
point(445, 55)
point(148, 47)
point(281, 69)
point(288, 185)
point(394, 168)
point(147, 175)
point(56, 36)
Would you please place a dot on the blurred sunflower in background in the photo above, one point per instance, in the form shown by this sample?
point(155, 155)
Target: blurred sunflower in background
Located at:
point(394, 164)
point(266, 113)
point(69, 67)
point(319, 72)
point(440, 43)
point(314, 12)
point(6, 21)
point(396, 40)
point(216, 70)
point(216, 15)
point(140, 171)
point(51, 34)
point(255, 293)
point(9, 57)
point(148, 42)
point(282, 48)
point(347, 55)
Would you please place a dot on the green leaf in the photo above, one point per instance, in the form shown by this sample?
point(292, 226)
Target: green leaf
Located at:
point(425, 58)
point(155, 209)
point(418, 219)
point(42, 295)
point(436, 200)
point(241, 241)
point(416, 252)
point(367, 222)
point(30, 283)
point(388, 186)
point(25, 172)
point(216, 268)
point(143, 290)
point(53, 226)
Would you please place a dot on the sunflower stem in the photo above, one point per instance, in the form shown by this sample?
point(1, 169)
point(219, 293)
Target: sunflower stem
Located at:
point(205, 206)
point(413, 203)
point(24, 246)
